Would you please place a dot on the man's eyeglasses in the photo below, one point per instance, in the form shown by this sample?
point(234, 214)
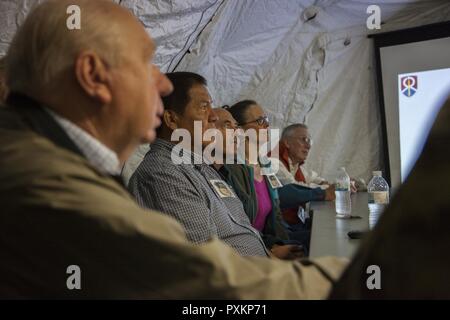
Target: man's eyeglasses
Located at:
point(264, 120)
point(306, 140)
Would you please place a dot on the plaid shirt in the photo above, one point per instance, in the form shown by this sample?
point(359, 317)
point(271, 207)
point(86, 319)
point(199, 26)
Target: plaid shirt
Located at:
point(99, 156)
point(184, 192)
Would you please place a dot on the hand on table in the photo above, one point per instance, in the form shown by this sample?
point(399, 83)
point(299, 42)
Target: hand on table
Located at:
point(288, 251)
point(329, 193)
point(353, 188)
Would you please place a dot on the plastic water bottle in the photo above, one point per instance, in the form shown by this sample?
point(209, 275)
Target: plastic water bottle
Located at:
point(378, 192)
point(342, 191)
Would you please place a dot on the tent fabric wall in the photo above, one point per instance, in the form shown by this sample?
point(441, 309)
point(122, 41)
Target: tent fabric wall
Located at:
point(174, 25)
point(303, 61)
point(320, 71)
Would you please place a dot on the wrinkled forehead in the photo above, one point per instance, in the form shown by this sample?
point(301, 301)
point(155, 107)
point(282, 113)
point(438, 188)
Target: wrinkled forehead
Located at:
point(300, 132)
point(199, 93)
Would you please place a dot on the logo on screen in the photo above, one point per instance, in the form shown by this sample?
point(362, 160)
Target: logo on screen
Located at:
point(409, 85)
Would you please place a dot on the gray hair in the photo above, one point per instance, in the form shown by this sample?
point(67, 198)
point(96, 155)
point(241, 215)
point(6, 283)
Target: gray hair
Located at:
point(289, 130)
point(44, 48)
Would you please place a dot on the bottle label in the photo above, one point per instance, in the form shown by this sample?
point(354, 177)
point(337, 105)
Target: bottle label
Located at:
point(379, 197)
point(343, 202)
point(342, 186)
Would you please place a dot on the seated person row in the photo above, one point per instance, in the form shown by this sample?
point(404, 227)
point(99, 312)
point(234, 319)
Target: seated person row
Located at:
point(189, 192)
point(250, 115)
point(63, 206)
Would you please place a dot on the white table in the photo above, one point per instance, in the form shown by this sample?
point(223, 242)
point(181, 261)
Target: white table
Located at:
point(329, 234)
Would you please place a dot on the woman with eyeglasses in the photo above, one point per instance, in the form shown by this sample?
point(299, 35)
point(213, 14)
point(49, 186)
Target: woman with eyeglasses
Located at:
point(249, 115)
point(264, 216)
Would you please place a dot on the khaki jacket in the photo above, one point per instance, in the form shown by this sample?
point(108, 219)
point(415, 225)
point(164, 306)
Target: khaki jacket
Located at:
point(58, 211)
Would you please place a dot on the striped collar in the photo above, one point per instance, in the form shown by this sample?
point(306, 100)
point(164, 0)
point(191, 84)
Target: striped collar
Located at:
point(100, 156)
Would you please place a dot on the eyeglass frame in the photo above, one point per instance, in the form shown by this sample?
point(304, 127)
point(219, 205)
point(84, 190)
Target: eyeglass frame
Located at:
point(306, 140)
point(260, 121)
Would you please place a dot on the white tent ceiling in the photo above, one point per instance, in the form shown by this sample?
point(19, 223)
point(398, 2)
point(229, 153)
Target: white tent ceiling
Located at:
point(320, 71)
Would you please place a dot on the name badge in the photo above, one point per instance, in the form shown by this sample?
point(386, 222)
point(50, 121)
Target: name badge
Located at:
point(274, 181)
point(223, 190)
point(301, 214)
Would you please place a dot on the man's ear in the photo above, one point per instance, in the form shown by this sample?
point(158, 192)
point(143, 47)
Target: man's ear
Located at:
point(286, 143)
point(170, 119)
point(94, 76)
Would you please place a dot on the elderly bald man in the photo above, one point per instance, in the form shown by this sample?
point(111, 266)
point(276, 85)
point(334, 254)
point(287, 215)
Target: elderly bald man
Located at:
point(80, 102)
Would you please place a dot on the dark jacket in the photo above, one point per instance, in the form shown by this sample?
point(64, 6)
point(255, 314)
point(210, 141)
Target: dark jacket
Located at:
point(240, 177)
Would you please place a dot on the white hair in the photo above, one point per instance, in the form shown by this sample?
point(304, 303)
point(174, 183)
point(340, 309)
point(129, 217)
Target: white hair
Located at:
point(289, 130)
point(44, 47)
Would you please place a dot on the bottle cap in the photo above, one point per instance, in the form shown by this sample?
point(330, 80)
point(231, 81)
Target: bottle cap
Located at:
point(377, 173)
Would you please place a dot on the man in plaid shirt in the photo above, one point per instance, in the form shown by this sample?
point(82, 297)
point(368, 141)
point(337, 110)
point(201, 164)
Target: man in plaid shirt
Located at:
point(189, 192)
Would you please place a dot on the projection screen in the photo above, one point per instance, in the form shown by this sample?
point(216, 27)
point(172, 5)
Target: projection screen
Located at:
point(415, 81)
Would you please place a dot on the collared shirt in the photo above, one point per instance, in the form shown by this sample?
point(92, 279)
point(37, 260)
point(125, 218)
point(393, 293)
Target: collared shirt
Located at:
point(100, 156)
point(312, 178)
point(185, 192)
point(293, 167)
point(281, 171)
point(133, 162)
